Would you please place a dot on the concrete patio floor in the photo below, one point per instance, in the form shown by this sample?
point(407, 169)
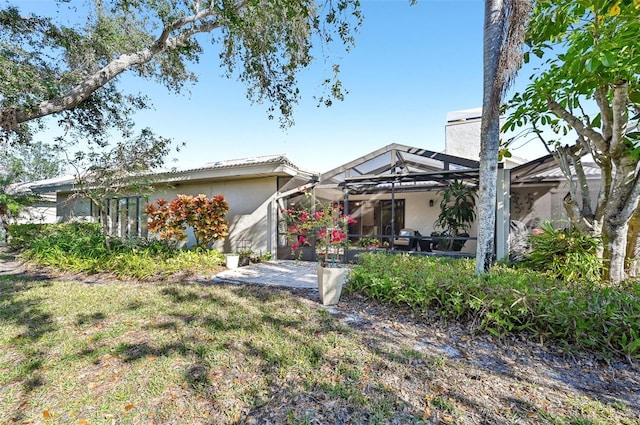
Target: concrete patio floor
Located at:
point(288, 273)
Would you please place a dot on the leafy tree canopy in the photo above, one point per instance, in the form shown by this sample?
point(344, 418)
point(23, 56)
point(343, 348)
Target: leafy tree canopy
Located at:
point(587, 48)
point(71, 71)
point(26, 163)
point(589, 82)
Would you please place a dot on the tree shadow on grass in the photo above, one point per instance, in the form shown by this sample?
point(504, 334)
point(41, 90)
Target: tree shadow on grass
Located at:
point(92, 319)
point(24, 311)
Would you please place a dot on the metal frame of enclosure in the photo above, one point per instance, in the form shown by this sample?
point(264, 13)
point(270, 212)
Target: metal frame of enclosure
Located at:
point(391, 170)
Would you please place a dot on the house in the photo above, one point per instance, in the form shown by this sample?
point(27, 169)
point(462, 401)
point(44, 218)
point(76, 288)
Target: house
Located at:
point(249, 185)
point(538, 188)
point(396, 187)
point(42, 210)
point(392, 188)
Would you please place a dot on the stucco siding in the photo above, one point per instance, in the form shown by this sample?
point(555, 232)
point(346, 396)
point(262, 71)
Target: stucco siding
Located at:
point(249, 214)
point(70, 208)
point(534, 204)
point(38, 213)
point(462, 139)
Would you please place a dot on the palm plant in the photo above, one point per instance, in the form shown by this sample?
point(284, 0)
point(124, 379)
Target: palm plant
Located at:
point(457, 211)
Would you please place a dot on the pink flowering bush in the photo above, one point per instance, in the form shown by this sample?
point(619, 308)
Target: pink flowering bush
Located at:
point(325, 223)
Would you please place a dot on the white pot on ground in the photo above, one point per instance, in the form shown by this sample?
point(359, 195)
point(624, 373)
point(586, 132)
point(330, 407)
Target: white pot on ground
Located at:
point(330, 283)
point(232, 261)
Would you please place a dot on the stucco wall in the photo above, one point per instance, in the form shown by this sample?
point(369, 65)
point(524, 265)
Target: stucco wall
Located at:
point(534, 204)
point(250, 214)
point(70, 208)
point(463, 139)
point(250, 217)
point(38, 213)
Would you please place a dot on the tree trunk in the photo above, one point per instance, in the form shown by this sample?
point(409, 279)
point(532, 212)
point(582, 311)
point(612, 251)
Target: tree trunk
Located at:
point(633, 246)
point(489, 136)
point(615, 238)
point(105, 226)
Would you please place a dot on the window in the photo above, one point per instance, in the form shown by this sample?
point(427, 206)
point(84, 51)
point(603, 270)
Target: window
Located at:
point(125, 217)
point(375, 217)
point(386, 210)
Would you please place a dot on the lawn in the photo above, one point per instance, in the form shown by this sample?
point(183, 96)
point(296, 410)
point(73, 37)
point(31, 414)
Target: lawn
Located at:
point(169, 353)
point(152, 353)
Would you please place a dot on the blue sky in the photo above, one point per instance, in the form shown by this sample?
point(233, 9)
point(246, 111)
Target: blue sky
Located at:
point(410, 66)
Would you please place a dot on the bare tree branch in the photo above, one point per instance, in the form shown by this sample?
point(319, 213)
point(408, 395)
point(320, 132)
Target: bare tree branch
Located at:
point(577, 124)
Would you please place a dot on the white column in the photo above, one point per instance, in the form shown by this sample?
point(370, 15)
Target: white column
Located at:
point(503, 216)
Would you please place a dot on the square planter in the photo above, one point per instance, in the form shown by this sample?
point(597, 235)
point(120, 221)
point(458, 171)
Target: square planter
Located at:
point(330, 282)
point(232, 261)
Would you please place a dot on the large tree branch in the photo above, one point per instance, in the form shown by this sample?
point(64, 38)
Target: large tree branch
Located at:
point(578, 125)
point(576, 217)
point(620, 119)
point(562, 155)
point(630, 203)
point(587, 211)
point(10, 117)
point(606, 113)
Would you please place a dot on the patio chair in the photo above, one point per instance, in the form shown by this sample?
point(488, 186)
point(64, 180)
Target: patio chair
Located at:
point(406, 240)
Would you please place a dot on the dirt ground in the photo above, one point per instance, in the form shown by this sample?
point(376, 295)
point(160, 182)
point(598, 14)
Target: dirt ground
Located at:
point(488, 375)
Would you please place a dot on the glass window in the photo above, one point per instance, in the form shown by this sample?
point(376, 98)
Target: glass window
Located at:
point(125, 217)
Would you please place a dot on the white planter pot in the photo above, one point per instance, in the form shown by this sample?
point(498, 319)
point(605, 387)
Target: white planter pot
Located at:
point(232, 261)
point(330, 282)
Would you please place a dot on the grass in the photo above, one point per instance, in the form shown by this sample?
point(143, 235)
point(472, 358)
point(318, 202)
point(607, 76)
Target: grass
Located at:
point(163, 353)
point(188, 353)
point(73, 353)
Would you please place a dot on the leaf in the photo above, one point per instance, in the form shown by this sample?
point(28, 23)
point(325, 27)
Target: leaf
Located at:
point(129, 407)
point(588, 65)
point(607, 59)
point(633, 347)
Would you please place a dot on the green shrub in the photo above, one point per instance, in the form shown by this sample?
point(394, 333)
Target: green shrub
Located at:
point(567, 254)
point(20, 235)
point(66, 236)
point(80, 247)
point(507, 301)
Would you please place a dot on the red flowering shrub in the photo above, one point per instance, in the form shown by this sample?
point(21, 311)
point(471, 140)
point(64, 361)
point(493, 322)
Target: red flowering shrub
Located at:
point(169, 220)
point(327, 223)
